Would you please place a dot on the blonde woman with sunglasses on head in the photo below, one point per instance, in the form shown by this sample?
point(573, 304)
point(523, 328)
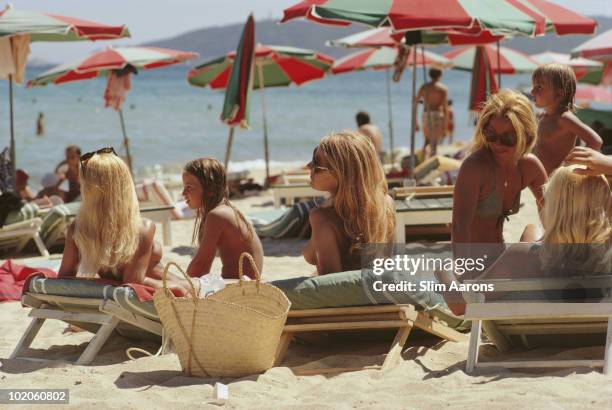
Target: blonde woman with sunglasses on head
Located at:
point(108, 237)
point(358, 211)
point(500, 166)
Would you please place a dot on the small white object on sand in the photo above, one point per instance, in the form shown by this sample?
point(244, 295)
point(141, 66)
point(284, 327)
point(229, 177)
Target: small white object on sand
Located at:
point(220, 394)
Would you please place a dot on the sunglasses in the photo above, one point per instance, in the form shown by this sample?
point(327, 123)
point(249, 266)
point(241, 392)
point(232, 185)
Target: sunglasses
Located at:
point(313, 164)
point(509, 140)
point(86, 157)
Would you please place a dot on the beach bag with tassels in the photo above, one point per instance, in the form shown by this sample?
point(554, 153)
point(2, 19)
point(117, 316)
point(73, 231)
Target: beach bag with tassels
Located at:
point(234, 332)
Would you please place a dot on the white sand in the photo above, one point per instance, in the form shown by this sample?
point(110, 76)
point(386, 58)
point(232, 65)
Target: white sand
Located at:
point(431, 374)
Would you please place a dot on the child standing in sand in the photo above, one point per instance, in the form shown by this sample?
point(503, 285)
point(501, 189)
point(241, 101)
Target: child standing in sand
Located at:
point(554, 88)
point(219, 226)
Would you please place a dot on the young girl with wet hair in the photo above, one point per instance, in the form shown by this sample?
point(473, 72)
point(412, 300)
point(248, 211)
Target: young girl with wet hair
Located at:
point(219, 226)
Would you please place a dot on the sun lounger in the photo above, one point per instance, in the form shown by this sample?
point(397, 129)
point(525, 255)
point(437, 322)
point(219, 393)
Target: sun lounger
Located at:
point(292, 186)
point(89, 305)
point(58, 218)
point(510, 322)
point(152, 193)
point(15, 236)
point(424, 210)
point(283, 223)
point(344, 301)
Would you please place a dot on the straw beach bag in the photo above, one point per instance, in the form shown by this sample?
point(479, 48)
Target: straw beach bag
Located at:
point(234, 332)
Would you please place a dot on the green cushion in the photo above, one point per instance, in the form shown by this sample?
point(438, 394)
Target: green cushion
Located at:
point(28, 211)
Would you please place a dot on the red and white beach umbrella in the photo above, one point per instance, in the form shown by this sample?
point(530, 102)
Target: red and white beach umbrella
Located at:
point(597, 48)
point(593, 93)
point(112, 58)
point(117, 64)
point(510, 61)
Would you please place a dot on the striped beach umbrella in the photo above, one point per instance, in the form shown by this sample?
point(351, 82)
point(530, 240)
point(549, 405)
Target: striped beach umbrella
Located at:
point(236, 103)
point(586, 70)
point(526, 17)
point(53, 27)
point(22, 27)
point(483, 79)
point(593, 93)
point(597, 48)
point(113, 60)
point(275, 66)
point(500, 17)
point(510, 61)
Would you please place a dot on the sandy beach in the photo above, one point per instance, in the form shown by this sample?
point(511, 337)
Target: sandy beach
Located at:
point(431, 374)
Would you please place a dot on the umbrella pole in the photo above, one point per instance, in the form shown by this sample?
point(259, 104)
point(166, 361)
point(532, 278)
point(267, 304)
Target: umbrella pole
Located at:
point(265, 122)
point(498, 66)
point(126, 141)
point(390, 105)
point(228, 150)
point(414, 107)
point(12, 128)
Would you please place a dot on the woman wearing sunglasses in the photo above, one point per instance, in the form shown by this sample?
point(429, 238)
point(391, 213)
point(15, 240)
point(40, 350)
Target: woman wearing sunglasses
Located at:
point(108, 236)
point(358, 211)
point(500, 166)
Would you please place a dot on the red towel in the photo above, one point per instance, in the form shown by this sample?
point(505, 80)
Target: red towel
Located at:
point(14, 276)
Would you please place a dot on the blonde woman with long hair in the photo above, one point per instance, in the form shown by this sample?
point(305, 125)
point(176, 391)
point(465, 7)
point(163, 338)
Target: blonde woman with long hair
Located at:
point(219, 225)
point(358, 211)
point(108, 237)
point(499, 167)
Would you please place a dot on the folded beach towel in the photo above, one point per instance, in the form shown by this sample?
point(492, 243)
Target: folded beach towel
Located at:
point(292, 223)
point(14, 276)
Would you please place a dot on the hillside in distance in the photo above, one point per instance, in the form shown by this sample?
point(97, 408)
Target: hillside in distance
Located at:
point(211, 42)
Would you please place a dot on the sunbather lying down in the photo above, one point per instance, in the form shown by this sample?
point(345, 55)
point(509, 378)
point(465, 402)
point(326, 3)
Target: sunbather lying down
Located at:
point(577, 219)
point(108, 237)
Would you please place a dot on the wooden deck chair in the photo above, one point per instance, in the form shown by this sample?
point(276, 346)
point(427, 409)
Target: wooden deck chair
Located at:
point(502, 321)
point(293, 186)
point(401, 317)
point(118, 311)
point(15, 236)
point(424, 210)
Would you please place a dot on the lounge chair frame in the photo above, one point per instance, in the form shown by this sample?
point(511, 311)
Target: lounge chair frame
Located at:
point(106, 313)
point(501, 319)
point(401, 317)
point(17, 235)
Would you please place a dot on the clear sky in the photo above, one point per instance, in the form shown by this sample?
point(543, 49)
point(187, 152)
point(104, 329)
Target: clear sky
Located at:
point(157, 19)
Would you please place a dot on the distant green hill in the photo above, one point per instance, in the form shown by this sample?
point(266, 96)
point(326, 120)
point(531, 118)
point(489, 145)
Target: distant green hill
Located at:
point(212, 42)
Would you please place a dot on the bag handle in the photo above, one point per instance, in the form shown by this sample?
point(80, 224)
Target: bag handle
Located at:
point(249, 257)
point(167, 292)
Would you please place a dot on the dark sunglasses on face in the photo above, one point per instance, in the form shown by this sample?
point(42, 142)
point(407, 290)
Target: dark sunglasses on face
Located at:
point(86, 157)
point(509, 140)
point(313, 164)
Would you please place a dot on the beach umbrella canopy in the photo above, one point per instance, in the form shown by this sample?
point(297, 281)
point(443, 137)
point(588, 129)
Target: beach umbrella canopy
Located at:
point(526, 17)
point(510, 61)
point(593, 93)
point(281, 66)
point(382, 58)
point(548, 57)
point(597, 48)
point(483, 79)
point(239, 84)
point(53, 27)
point(385, 37)
point(275, 66)
point(112, 58)
point(109, 62)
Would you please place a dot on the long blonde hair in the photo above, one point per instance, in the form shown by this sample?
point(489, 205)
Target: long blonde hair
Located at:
point(517, 109)
point(360, 200)
point(577, 219)
point(577, 208)
point(108, 222)
point(212, 177)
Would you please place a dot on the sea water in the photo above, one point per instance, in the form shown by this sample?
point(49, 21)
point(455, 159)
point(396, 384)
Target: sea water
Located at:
point(170, 122)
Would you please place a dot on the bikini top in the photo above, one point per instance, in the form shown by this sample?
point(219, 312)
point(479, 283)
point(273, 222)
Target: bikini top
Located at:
point(491, 206)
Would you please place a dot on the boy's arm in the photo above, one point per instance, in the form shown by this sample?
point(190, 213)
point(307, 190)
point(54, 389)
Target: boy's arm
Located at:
point(573, 124)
